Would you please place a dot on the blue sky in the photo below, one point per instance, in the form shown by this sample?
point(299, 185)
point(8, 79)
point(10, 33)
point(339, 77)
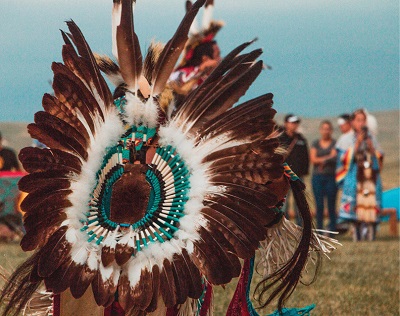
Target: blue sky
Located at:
point(327, 57)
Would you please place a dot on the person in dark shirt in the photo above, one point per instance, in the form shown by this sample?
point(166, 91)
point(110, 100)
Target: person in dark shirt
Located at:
point(8, 158)
point(297, 153)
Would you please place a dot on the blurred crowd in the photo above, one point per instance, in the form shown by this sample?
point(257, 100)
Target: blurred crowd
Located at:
point(349, 165)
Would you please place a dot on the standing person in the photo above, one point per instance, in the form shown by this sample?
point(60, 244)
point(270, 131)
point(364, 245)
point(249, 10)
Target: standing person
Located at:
point(297, 153)
point(359, 164)
point(8, 158)
point(323, 157)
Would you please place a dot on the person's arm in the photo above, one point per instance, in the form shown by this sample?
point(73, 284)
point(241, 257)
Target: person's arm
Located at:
point(322, 159)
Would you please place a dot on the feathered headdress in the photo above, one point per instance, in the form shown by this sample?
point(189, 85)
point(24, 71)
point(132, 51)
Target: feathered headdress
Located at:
point(142, 206)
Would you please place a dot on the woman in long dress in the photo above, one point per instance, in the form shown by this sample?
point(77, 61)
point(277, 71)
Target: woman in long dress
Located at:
point(359, 164)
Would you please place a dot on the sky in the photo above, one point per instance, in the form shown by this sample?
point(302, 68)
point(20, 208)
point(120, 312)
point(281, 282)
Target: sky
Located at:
point(327, 57)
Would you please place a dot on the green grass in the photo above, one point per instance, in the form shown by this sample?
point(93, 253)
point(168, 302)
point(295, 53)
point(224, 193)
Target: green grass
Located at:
point(360, 279)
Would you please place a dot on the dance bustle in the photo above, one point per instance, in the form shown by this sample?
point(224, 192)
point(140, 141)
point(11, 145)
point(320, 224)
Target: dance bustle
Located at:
point(131, 199)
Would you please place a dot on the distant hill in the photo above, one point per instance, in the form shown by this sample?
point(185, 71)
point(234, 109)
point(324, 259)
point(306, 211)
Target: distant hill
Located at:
point(16, 136)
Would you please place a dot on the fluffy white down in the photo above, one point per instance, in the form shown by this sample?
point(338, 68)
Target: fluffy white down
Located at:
point(107, 134)
point(138, 113)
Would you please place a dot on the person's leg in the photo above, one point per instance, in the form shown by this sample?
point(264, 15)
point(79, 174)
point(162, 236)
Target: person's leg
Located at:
point(331, 191)
point(317, 186)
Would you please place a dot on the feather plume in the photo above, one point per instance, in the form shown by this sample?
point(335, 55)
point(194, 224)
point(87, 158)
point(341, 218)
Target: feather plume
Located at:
point(223, 228)
point(243, 224)
point(181, 276)
point(54, 138)
point(56, 108)
point(167, 284)
point(72, 88)
point(104, 284)
point(97, 82)
point(212, 260)
point(51, 178)
point(54, 253)
point(155, 280)
point(86, 275)
point(110, 68)
point(198, 94)
point(35, 159)
point(224, 97)
point(129, 54)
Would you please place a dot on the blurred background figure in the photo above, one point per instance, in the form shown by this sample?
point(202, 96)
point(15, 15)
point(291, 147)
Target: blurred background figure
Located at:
point(8, 158)
point(323, 157)
point(358, 172)
point(296, 153)
point(187, 77)
point(201, 54)
point(10, 217)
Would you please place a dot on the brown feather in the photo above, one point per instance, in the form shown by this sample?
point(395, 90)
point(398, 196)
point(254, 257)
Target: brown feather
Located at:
point(73, 88)
point(225, 96)
point(54, 107)
point(213, 261)
point(41, 197)
point(153, 54)
point(199, 94)
point(264, 145)
point(107, 255)
point(104, 291)
point(39, 228)
point(167, 284)
point(141, 294)
point(123, 253)
point(247, 189)
point(129, 54)
point(95, 77)
point(223, 227)
point(36, 160)
point(257, 113)
point(181, 276)
point(53, 138)
point(64, 90)
point(50, 178)
point(63, 277)
point(194, 281)
point(124, 289)
point(54, 253)
point(155, 280)
point(250, 229)
point(82, 281)
point(251, 208)
point(72, 136)
point(172, 50)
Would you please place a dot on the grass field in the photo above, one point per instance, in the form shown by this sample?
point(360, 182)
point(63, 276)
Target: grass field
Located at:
point(360, 279)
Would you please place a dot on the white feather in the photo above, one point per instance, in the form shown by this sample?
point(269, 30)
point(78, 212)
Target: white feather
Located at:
point(207, 16)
